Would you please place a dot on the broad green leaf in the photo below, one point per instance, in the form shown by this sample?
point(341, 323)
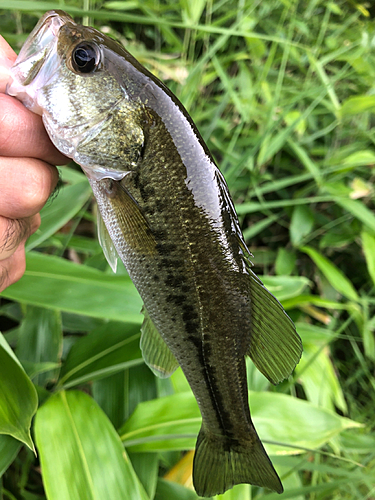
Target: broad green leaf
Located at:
point(358, 104)
point(316, 371)
point(18, 398)
point(9, 448)
point(57, 283)
point(167, 490)
point(238, 492)
point(105, 351)
point(333, 274)
point(285, 287)
point(34, 369)
point(368, 245)
point(109, 393)
point(119, 394)
point(146, 466)
point(81, 455)
point(173, 422)
point(301, 224)
point(40, 340)
point(317, 375)
point(315, 335)
point(59, 211)
point(285, 262)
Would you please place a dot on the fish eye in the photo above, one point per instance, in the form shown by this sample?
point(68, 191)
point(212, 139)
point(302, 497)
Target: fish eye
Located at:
point(85, 57)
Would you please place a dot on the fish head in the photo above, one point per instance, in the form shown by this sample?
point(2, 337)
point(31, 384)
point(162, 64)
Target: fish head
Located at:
point(75, 78)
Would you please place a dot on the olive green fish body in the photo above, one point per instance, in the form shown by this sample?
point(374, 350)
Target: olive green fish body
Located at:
point(169, 215)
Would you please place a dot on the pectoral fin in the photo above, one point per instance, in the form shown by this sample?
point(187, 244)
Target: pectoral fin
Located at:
point(155, 351)
point(106, 243)
point(130, 218)
point(275, 346)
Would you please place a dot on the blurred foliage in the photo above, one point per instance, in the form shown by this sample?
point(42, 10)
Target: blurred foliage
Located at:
point(283, 93)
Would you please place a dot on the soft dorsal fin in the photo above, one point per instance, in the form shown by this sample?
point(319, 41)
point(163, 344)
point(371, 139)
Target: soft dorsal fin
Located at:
point(275, 346)
point(106, 243)
point(155, 351)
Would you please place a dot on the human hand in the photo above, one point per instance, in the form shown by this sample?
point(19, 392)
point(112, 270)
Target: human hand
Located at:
point(27, 174)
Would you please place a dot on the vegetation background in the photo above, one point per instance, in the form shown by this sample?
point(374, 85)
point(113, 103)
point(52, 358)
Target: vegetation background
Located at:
point(283, 93)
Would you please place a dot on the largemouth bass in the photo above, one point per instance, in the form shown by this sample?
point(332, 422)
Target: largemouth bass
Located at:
point(167, 213)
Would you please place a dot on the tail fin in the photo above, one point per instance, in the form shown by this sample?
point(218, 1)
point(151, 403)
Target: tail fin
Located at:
point(219, 465)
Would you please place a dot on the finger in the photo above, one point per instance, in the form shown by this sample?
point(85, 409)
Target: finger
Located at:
point(22, 133)
point(13, 268)
point(25, 186)
point(13, 232)
point(7, 58)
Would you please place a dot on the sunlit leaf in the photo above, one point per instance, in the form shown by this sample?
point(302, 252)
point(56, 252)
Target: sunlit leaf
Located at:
point(18, 398)
point(173, 422)
point(56, 283)
point(368, 244)
point(81, 455)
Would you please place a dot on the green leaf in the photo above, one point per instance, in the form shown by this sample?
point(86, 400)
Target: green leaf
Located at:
point(105, 351)
point(167, 490)
point(173, 422)
point(317, 374)
point(358, 104)
point(285, 261)
point(81, 455)
point(40, 340)
point(9, 448)
point(18, 398)
point(59, 211)
point(57, 283)
point(301, 224)
point(368, 245)
point(238, 492)
point(285, 287)
point(335, 277)
point(358, 210)
point(146, 466)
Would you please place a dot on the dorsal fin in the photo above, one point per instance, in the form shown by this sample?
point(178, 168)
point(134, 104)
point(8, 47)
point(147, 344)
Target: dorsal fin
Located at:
point(275, 346)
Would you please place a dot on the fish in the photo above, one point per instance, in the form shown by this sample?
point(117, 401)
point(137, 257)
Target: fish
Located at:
point(166, 212)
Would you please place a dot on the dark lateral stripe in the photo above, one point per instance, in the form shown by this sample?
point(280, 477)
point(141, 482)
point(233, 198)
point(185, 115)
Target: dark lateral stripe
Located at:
point(217, 402)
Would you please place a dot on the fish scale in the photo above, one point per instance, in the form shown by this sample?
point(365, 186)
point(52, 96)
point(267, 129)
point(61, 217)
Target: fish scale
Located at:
point(167, 212)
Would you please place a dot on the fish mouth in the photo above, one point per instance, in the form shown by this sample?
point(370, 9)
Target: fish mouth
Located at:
point(39, 50)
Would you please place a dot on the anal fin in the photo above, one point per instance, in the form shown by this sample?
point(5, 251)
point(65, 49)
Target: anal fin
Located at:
point(155, 351)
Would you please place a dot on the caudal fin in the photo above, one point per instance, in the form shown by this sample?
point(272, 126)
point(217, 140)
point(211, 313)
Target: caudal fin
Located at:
point(219, 464)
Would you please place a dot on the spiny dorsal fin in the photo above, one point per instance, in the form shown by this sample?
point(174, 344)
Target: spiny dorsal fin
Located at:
point(275, 346)
point(155, 351)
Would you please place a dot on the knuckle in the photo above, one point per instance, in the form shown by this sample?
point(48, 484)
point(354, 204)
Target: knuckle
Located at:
point(36, 188)
point(9, 123)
